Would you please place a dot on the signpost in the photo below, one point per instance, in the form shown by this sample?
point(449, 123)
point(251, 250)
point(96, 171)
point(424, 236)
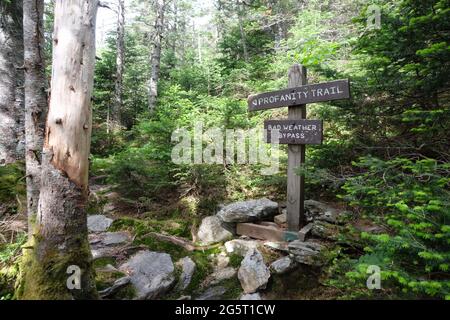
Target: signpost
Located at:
point(296, 131)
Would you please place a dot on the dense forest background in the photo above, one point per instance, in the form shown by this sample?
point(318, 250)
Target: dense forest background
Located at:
point(385, 156)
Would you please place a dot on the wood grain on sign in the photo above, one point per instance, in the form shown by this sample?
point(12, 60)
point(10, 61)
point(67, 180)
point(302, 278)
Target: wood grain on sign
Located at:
point(294, 131)
point(327, 91)
point(296, 156)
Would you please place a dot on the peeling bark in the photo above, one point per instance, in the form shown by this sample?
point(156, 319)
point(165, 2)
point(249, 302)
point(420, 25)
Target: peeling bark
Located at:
point(35, 100)
point(11, 83)
point(60, 237)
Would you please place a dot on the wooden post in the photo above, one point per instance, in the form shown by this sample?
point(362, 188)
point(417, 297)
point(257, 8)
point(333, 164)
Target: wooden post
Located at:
point(296, 156)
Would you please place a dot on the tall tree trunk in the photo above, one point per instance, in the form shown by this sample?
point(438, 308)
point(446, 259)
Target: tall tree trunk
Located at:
point(35, 100)
point(155, 59)
point(11, 83)
point(242, 31)
point(120, 44)
point(60, 238)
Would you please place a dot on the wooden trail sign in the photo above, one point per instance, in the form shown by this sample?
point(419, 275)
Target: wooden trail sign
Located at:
point(327, 91)
point(294, 131)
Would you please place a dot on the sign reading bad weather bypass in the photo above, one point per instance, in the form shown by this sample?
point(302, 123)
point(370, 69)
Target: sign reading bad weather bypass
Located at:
point(294, 131)
point(333, 90)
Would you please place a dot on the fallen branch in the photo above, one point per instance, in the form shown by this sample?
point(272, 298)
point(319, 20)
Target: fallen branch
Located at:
point(186, 244)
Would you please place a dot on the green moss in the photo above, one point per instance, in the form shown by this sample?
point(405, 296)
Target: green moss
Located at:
point(235, 260)
point(43, 272)
point(12, 185)
point(234, 288)
point(105, 279)
point(103, 262)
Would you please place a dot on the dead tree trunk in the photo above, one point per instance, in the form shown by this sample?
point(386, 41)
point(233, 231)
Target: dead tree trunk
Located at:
point(59, 243)
point(35, 100)
point(120, 44)
point(155, 59)
point(11, 82)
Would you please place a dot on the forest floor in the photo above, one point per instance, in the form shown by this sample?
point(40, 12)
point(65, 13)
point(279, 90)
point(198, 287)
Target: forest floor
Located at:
point(304, 282)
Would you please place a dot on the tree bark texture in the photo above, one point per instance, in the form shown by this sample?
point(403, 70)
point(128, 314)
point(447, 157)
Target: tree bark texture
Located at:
point(120, 44)
point(35, 100)
point(155, 59)
point(12, 135)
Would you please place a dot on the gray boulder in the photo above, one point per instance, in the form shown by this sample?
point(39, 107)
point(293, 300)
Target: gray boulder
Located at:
point(253, 273)
point(212, 231)
point(283, 265)
point(307, 252)
point(246, 211)
point(98, 223)
point(151, 273)
point(187, 271)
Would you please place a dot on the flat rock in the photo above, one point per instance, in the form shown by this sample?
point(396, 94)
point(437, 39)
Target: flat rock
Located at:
point(251, 296)
point(283, 265)
point(248, 211)
point(151, 273)
point(307, 252)
point(240, 246)
point(213, 293)
point(253, 273)
point(212, 231)
point(98, 223)
point(187, 271)
point(109, 239)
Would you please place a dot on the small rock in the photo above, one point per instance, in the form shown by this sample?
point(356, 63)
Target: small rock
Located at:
point(304, 231)
point(247, 211)
point(283, 265)
point(152, 273)
point(253, 273)
point(280, 219)
point(240, 246)
point(306, 252)
point(212, 293)
point(187, 271)
point(98, 223)
point(251, 296)
point(222, 260)
point(185, 298)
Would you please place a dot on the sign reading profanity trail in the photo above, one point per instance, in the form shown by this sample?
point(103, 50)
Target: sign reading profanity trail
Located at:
point(328, 91)
point(296, 131)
